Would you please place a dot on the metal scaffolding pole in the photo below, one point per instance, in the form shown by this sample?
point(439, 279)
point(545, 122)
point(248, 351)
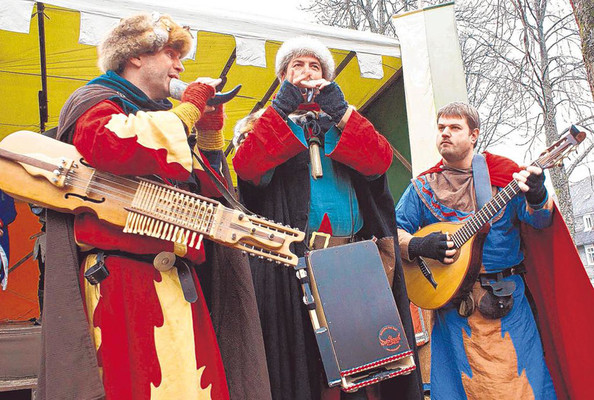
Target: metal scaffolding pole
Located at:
point(42, 94)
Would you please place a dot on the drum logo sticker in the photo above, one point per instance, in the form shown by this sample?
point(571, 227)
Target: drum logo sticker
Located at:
point(389, 338)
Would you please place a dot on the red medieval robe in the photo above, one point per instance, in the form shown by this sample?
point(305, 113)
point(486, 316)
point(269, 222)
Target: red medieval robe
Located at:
point(151, 343)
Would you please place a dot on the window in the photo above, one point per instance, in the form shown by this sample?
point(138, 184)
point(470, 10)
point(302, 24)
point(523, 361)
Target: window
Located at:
point(587, 222)
point(590, 254)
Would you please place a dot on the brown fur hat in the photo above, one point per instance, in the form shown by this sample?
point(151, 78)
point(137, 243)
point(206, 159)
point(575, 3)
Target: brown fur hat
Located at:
point(141, 34)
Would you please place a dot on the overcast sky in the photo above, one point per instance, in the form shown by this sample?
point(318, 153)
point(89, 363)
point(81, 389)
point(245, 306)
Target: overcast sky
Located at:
point(285, 9)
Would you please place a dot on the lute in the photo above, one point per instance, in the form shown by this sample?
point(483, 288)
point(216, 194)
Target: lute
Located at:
point(468, 237)
point(44, 171)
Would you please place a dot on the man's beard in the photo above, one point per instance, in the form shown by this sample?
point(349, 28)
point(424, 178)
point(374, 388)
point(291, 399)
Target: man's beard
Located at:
point(451, 154)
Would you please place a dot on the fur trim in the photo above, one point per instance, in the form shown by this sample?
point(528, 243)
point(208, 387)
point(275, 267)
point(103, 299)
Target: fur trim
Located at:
point(141, 34)
point(304, 46)
point(244, 126)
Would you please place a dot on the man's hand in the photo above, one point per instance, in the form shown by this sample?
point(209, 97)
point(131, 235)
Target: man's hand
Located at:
point(331, 101)
point(210, 82)
point(214, 82)
point(287, 99)
point(303, 81)
point(435, 245)
point(531, 181)
point(209, 135)
point(213, 118)
point(199, 91)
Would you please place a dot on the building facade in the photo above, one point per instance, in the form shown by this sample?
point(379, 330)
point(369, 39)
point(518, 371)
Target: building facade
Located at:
point(582, 195)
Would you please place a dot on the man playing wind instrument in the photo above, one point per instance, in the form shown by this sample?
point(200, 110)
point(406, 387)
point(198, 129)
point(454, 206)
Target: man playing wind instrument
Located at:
point(312, 161)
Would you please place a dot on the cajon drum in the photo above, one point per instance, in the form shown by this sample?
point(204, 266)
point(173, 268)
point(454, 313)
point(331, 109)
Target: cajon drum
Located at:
point(354, 316)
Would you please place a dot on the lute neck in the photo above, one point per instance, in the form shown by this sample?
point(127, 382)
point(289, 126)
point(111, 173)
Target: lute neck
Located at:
point(488, 211)
point(484, 215)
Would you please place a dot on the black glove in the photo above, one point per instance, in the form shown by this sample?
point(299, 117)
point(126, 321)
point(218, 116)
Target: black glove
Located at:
point(332, 102)
point(434, 246)
point(287, 99)
point(537, 191)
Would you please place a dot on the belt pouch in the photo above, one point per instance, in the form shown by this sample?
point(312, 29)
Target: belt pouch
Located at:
point(496, 299)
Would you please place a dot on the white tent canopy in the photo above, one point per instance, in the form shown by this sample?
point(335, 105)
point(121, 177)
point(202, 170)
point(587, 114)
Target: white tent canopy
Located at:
point(250, 30)
point(433, 73)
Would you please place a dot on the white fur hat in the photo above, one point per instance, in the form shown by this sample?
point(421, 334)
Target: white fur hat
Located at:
point(304, 46)
point(141, 34)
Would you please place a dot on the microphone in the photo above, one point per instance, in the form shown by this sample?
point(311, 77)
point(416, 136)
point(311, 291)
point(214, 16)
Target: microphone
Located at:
point(177, 88)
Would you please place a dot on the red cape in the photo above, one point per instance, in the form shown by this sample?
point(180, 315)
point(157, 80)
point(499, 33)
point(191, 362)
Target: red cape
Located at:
point(562, 292)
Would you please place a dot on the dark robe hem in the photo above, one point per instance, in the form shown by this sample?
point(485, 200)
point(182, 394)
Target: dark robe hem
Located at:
point(286, 323)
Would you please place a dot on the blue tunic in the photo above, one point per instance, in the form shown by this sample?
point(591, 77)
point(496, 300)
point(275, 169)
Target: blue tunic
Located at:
point(477, 357)
point(333, 194)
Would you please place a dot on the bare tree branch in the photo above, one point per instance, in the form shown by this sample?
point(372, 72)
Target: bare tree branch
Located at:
point(521, 70)
point(579, 159)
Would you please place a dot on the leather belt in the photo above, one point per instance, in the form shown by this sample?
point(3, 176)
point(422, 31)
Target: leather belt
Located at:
point(146, 258)
point(321, 240)
point(183, 270)
point(515, 270)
